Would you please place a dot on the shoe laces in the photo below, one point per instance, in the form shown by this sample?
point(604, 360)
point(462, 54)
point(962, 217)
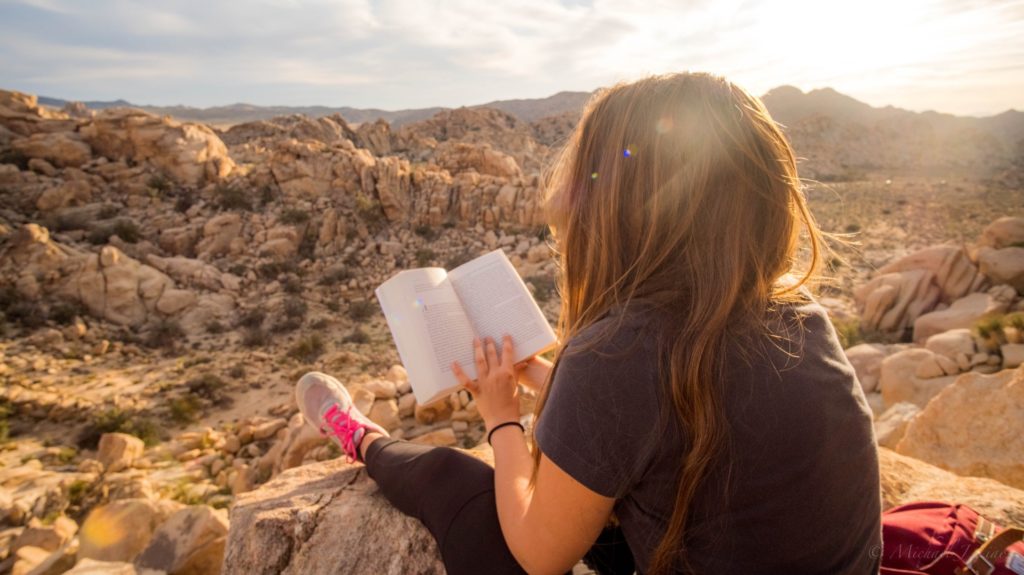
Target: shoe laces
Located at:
point(342, 425)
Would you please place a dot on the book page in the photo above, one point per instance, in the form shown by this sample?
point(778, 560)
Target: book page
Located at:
point(430, 330)
point(498, 302)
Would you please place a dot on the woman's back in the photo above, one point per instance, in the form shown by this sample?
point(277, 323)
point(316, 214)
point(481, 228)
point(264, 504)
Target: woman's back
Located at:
point(796, 489)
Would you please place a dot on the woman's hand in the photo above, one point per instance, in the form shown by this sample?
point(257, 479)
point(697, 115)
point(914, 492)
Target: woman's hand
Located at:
point(495, 390)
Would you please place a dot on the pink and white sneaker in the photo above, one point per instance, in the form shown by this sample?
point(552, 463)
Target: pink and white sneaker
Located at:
point(326, 405)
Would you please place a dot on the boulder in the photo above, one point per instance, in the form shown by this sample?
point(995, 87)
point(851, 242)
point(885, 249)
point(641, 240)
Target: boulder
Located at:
point(973, 427)
point(118, 451)
point(94, 567)
point(866, 359)
point(47, 537)
point(900, 380)
point(952, 270)
point(905, 479)
point(61, 149)
point(189, 154)
point(892, 424)
point(190, 542)
point(963, 313)
point(1003, 266)
point(220, 236)
point(1013, 354)
point(385, 414)
point(439, 437)
point(27, 559)
point(393, 187)
point(300, 522)
point(283, 243)
point(891, 302)
point(1004, 232)
point(121, 530)
point(66, 194)
point(952, 343)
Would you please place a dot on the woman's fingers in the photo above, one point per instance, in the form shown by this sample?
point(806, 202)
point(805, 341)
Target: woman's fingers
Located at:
point(480, 359)
point(462, 377)
point(506, 350)
point(492, 354)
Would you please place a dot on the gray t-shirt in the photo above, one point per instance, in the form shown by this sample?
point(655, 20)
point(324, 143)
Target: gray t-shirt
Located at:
point(798, 491)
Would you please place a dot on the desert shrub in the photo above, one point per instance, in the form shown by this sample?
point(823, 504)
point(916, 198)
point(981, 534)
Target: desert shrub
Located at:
point(26, 313)
point(357, 335)
point(267, 195)
point(185, 200)
point(64, 312)
point(11, 156)
point(231, 198)
point(287, 324)
point(990, 330)
point(116, 420)
point(426, 232)
point(99, 235)
point(184, 409)
point(69, 221)
point(543, 287)
point(1015, 321)
point(308, 348)
point(368, 209)
point(254, 337)
point(291, 285)
point(294, 216)
point(335, 276)
point(307, 246)
point(160, 183)
point(424, 256)
point(320, 323)
point(108, 211)
point(237, 371)
point(361, 310)
point(238, 269)
point(458, 259)
point(164, 333)
point(5, 426)
point(273, 270)
point(214, 327)
point(295, 307)
point(252, 319)
point(848, 331)
point(127, 230)
point(333, 305)
point(77, 490)
point(207, 386)
point(852, 228)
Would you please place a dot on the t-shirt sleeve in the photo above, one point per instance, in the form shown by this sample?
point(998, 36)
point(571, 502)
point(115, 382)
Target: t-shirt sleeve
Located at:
point(599, 421)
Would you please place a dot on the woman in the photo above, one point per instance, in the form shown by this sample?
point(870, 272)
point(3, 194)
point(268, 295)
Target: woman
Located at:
point(699, 393)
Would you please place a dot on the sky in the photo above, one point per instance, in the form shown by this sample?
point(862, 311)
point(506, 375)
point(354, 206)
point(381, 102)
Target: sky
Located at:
point(964, 57)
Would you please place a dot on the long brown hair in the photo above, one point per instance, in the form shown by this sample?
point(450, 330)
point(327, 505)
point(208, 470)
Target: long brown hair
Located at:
point(679, 189)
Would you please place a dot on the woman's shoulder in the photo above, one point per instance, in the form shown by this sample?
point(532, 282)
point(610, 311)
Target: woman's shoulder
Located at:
point(623, 328)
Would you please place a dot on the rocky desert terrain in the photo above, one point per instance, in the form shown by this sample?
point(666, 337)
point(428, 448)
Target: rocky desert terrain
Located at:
point(163, 284)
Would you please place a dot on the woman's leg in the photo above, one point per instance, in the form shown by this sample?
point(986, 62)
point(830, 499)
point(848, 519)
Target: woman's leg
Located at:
point(451, 493)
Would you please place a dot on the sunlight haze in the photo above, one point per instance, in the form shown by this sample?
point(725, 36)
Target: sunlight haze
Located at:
point(952, 56)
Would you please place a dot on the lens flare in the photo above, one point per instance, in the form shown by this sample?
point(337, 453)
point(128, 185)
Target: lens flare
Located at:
point(628, 152)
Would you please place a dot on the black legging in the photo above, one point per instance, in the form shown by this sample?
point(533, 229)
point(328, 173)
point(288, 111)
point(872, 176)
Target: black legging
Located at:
point(459, 508)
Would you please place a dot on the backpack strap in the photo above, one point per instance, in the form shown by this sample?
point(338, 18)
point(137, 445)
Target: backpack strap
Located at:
point(979, 563)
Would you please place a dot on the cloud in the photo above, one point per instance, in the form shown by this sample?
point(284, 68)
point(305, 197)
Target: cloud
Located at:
point(415, 53)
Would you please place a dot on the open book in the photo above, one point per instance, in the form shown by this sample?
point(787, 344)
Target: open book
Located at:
point(434, 316)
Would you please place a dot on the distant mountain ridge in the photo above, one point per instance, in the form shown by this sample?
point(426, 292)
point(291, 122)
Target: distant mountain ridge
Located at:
point(528, 110)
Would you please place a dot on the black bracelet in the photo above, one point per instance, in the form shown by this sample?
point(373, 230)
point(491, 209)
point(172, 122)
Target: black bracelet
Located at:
point(499, 426)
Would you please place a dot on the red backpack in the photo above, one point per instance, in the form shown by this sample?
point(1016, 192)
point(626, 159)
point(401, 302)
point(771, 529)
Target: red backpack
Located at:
point(933, 538)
